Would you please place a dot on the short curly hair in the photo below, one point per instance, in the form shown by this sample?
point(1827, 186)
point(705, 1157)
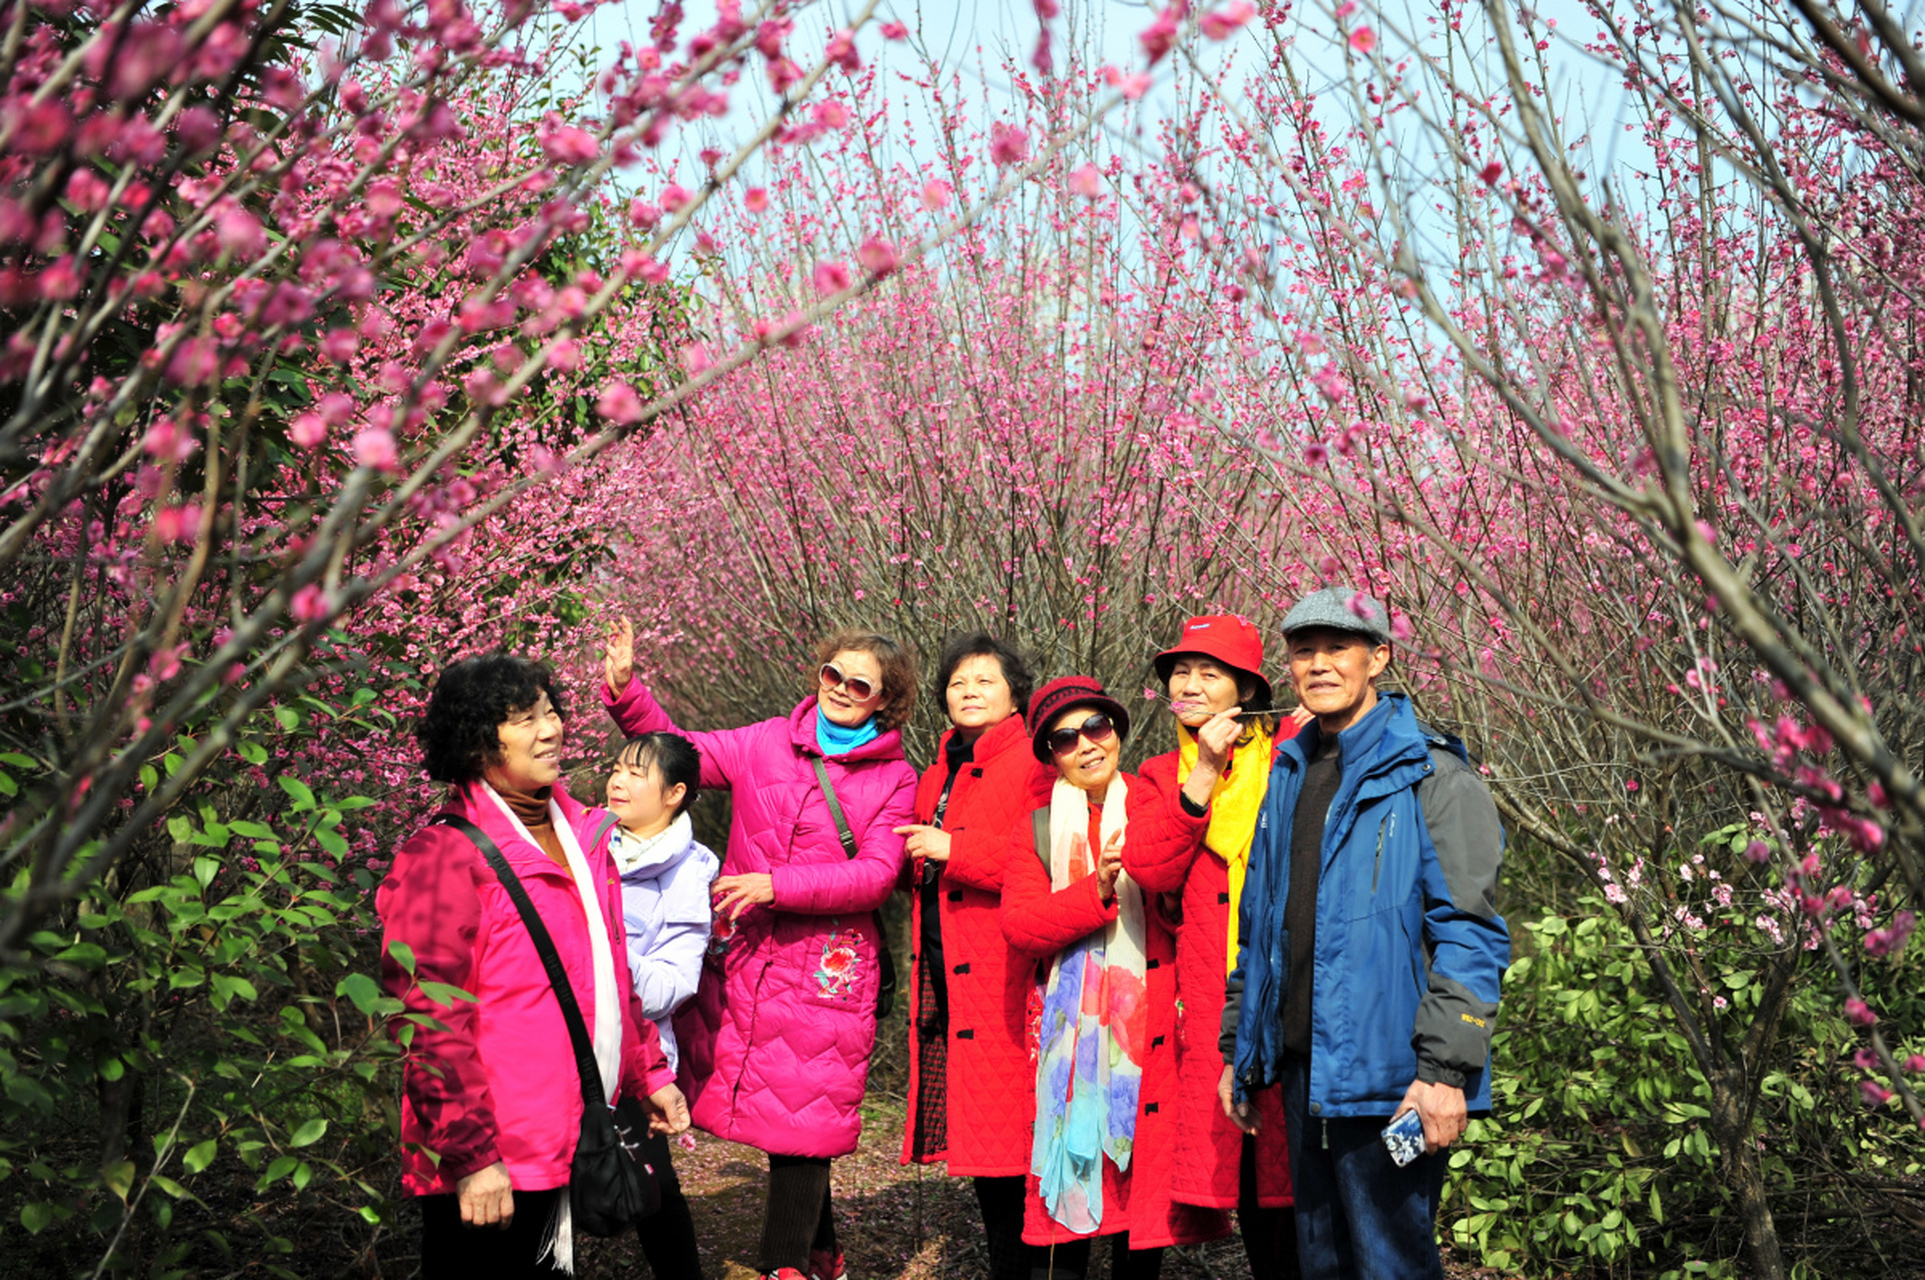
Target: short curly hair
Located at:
point(980, 644)
point(898, 671)
point(460, 732)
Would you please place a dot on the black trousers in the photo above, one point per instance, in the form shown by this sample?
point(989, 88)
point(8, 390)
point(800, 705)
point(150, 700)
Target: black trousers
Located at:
point(799, 1217)
point(451, 1251)
point(1070, 1261)
point(668, 1236)
point(1269, 1235)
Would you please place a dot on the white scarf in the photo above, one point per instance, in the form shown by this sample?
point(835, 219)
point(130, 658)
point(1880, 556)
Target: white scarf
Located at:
point(606, 1038)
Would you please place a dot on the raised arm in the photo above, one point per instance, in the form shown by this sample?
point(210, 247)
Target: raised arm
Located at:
point(1159, 858)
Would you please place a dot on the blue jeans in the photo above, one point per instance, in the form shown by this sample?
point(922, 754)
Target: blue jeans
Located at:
point(1358, 1215)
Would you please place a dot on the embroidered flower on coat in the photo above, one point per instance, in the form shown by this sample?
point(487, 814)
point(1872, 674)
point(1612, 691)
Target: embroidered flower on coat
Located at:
point(836, 972)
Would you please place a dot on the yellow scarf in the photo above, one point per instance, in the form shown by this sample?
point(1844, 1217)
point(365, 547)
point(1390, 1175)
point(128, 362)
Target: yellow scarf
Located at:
point(1234, 805)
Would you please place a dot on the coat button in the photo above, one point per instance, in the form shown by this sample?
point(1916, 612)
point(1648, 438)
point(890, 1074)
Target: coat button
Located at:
point(1316, 1108)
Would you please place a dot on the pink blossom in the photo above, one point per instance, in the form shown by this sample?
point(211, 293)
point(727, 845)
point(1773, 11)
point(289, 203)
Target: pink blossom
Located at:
point(755, 199)
point(936, 194)
point(374, 447)
point(1315, 454)
point(177, 524)
point(1008, 144)
point(894, 31)
point(1490, 173)
point(564, 143)
point(310, 604)
point(1875, 1094)
point(1159, 37)
point(831, 277)
point(1859, 1013)
point(695, 359)
point(619, 404)
point(1087, 181)
point(1363, 39)
point(830, 114)
point(878, 256)
point(1220, 24)
point(307, 429)
point(1758, 851)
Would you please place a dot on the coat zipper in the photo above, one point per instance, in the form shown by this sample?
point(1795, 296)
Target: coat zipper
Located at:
point(1377, 870)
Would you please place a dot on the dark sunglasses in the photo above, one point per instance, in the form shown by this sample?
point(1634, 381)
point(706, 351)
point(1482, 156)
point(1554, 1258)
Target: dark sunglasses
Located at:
point(859, 689)
point(1097, 729)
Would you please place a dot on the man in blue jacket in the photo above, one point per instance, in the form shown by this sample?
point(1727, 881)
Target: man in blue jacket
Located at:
point(1370, 950)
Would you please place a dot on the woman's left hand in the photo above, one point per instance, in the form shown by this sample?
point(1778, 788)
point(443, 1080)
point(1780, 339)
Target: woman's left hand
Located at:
point(733, 895)
point(667, 1110)
point(925, 842)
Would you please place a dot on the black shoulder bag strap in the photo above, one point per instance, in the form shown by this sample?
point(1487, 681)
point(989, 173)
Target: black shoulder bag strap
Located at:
point(1039, 834)
point(885, 955)
point(592, 1095)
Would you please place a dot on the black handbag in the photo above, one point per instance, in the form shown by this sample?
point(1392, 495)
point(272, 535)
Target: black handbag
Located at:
point(885, 956)
point(610, 1185)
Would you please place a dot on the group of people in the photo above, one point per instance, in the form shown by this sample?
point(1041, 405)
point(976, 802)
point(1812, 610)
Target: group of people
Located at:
point(1238, 979)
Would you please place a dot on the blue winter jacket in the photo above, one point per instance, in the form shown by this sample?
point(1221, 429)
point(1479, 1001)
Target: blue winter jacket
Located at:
point(1409, 947)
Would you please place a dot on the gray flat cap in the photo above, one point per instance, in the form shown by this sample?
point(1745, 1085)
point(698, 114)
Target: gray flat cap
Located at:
point(1340, 609)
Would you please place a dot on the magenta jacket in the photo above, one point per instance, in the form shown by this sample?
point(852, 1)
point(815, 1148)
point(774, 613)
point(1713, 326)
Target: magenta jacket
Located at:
point(499, 1082)
point(775, 1045)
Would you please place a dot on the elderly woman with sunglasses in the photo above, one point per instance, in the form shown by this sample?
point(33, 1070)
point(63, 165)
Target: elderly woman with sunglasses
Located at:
point(1105, 1085)
point(775, 1045)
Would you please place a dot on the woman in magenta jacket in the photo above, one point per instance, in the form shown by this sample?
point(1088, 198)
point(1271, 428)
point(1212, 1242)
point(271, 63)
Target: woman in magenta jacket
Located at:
point(775, 1046)
point(971, 1093)
point(491, 1101)
point(1109, 978)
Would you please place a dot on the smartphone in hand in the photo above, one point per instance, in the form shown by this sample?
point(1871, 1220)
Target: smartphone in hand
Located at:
point(1404, 1137)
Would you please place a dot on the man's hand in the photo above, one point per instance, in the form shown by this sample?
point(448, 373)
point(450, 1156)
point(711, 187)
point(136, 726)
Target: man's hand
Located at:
point(733, 895)
point(925, 842)
point(618, 657)
point(667, 1110)
point(1442, 1110)
point(1242, 1114)
point(487, 1197)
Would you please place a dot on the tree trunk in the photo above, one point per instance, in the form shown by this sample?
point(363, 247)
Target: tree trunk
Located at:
point(1738, 1147)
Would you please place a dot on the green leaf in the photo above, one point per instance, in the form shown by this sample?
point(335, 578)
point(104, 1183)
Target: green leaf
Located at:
point(331, 841)
point(36, 1216)
point(205, 869)
point(403, 955)
point(444, 993)
point(298, 791)
point(290, 718)
point(119, 1177)
point(309, 1133)
point(180, 828)
point(363, 990)
point(198, 1156)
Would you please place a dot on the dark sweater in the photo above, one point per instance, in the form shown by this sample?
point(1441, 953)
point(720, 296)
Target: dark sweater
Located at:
point(1320, 781)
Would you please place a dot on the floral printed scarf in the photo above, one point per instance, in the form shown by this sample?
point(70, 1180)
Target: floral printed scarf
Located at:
point(1095, 1026)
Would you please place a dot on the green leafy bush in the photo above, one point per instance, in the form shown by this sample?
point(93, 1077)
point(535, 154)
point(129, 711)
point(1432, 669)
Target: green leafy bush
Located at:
point(1596, 1158)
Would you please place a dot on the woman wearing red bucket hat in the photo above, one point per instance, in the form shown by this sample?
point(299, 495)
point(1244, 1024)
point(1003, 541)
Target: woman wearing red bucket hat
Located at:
point(1214, 670)
point(1105, 1091)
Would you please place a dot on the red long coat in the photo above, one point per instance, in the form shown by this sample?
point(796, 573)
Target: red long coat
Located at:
point(1041, 923)
point(1207, 1147)
point(991, 1095)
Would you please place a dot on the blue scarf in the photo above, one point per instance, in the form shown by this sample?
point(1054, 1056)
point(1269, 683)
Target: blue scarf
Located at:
point(834, 739)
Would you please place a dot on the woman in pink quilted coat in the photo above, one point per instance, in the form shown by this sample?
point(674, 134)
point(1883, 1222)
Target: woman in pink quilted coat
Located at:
point(775, 1045)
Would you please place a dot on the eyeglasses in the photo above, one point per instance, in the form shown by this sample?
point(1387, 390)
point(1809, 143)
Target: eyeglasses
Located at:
point(1097, 729)
point(859, 688)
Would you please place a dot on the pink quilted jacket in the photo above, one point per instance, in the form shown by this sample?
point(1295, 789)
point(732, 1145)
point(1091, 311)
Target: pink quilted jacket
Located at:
point(776, 1043)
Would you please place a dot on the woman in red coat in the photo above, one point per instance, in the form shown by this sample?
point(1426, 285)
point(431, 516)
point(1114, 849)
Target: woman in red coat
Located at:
point(1104, 1093)
point(1215, 669)
point(969, 1097)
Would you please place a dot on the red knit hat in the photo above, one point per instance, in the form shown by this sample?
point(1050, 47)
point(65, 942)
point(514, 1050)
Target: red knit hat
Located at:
point(1058, 696)
point(1228, 638)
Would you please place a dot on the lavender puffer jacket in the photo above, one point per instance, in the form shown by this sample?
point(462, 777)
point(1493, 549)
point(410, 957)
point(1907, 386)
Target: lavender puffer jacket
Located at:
point(775, 1046)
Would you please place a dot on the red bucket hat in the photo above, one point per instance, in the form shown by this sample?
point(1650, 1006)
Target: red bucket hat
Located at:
point(1229, 638)
point(1058, 696)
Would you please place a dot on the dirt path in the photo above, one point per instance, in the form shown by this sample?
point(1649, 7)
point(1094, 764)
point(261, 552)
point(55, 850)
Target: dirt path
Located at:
point(894, 1222)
